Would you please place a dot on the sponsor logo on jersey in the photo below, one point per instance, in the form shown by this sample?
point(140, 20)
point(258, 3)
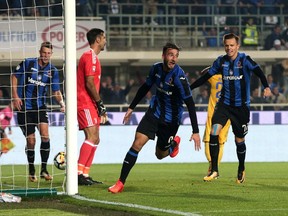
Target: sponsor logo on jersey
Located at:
point(36, 82)
point(233, 77)
point(163, 91)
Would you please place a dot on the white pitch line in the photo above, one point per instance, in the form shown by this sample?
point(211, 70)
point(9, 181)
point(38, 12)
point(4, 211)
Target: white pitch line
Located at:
point(130, 205)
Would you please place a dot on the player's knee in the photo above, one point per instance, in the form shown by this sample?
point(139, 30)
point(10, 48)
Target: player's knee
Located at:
point(159, 155)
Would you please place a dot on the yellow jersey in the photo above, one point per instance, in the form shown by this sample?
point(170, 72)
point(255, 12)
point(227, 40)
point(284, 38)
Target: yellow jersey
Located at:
point(215, 86)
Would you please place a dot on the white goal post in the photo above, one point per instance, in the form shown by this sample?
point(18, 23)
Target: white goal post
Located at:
point(23, 29)
point(71, 92)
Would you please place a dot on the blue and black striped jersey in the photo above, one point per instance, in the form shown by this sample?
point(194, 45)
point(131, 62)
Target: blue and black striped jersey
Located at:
point(236, 77)
point(34, 81)
point(171, 90)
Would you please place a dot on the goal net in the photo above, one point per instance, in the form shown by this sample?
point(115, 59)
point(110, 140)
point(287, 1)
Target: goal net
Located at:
point(24, 25)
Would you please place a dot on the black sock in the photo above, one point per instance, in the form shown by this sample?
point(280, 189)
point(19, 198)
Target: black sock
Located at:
point(128, 164)
point(214, 151)
point(241, 154)
point(31, 157)
point(44, 152)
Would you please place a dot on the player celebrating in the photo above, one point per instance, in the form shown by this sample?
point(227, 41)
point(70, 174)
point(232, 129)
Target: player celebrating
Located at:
point(215, 90)
point(30, 82)
point(164, 113)
point(234, 102)
point(90, 109)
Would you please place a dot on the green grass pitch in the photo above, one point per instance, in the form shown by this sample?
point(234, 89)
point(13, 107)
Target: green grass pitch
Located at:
point(171, 189)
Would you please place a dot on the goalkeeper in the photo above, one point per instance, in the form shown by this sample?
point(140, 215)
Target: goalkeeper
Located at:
point(30, 81)
point(90, 109)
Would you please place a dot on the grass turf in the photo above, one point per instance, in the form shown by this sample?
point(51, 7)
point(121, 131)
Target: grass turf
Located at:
point(176, 189)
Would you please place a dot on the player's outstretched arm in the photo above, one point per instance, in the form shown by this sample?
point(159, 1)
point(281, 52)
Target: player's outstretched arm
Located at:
point(197, 142)
point(127, 116)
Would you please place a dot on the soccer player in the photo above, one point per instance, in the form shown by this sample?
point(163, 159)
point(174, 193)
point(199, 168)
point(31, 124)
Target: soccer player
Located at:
point(90, 108)
point(234, 102)
point(215, 90)
point(30, 81)
point(162, 119)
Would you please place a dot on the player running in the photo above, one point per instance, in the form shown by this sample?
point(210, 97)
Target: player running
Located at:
point(162, 119)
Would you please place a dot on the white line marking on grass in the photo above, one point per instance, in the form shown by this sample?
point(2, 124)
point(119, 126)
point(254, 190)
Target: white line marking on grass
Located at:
point(130, 205)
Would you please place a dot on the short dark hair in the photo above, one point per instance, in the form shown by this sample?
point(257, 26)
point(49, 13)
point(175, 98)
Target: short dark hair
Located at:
point(46, 44)
point(92, 34)
point(169, 45)
point(230, 36)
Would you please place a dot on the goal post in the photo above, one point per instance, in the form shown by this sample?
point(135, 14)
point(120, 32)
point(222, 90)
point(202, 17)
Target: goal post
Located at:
point(71, 93)
point(20, 37)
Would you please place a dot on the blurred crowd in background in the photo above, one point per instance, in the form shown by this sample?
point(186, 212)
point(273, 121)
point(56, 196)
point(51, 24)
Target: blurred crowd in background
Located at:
point(272, 13)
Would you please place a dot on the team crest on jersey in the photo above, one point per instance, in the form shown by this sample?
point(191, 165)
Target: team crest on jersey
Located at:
point(170, 82)
point(49, 74)
point(231, 72)
point(239, 65)
point(39, 77)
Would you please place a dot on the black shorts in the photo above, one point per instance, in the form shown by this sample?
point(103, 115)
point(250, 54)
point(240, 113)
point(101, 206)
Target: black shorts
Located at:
point(152, 126)
point(29, 119)
point(239, 117)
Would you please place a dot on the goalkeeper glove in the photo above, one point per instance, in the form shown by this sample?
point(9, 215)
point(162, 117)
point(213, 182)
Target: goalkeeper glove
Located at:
point(101, 108)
